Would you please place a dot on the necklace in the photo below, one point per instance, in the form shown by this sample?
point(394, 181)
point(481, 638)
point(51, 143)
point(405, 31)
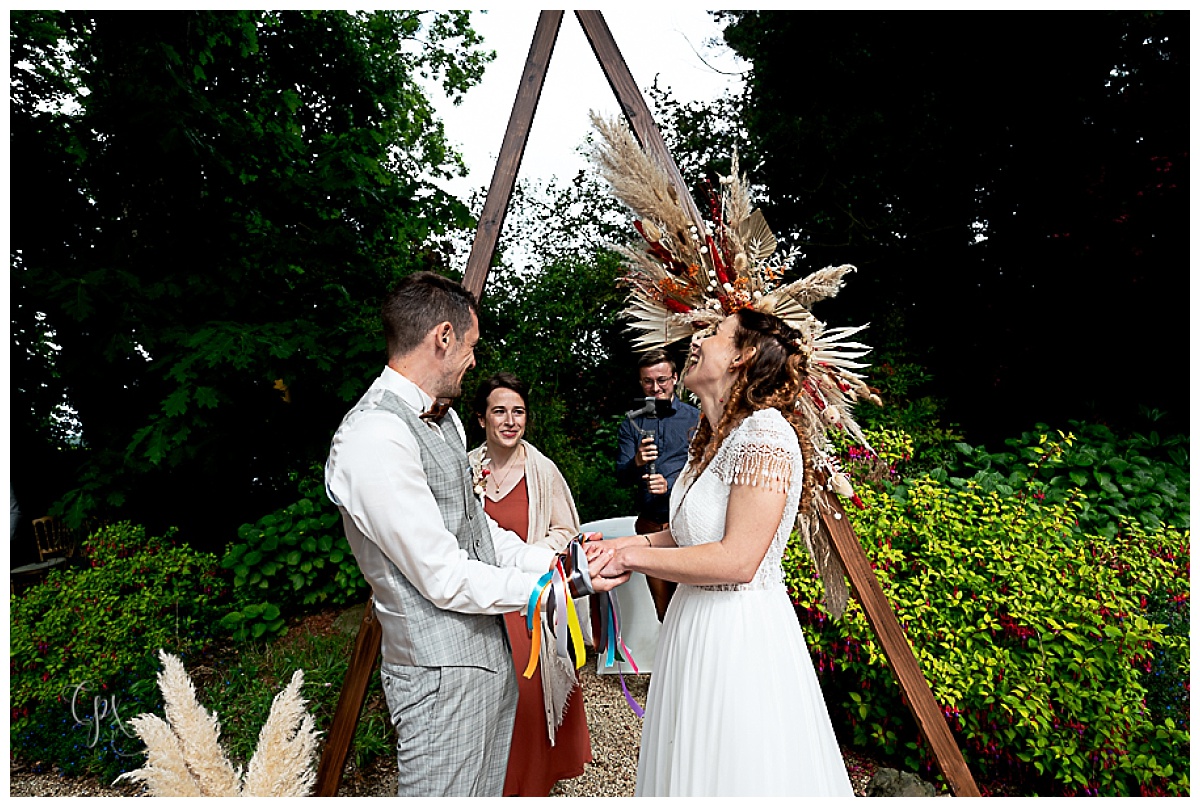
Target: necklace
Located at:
point(501, 478)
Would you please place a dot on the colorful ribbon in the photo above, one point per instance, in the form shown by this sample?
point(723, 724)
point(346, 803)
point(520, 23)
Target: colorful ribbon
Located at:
point(533, 624)
point(610, 639)
point(562, 620)
point(554, 592)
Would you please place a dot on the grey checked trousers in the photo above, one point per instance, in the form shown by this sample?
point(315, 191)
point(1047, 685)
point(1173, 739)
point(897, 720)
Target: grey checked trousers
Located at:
point(453, 728)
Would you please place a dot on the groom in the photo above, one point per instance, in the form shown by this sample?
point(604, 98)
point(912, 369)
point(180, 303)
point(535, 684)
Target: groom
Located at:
point(441, 570)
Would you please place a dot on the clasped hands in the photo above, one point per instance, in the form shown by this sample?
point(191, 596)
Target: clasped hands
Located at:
point(606, 561)
point(605, 567)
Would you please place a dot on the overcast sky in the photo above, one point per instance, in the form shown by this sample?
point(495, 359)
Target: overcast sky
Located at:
point(663, 40)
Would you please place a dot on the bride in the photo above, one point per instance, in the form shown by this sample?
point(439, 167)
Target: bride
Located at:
point(734, 706)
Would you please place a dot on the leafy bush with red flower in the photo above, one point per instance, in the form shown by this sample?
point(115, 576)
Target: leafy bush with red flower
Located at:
point(83, 646)
point(1036, 639)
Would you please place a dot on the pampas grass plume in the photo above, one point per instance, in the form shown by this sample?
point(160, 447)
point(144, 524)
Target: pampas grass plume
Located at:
point(198, 731)
point(165, 772)
point(282, 762)
point(184, 756)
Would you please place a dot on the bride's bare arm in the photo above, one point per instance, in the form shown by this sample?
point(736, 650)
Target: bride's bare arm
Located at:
point(751, 519)
point(660, 538)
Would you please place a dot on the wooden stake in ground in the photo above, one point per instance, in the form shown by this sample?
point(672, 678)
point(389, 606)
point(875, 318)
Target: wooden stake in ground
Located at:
point(866, 588)
point(897, 651)
point(350, 703)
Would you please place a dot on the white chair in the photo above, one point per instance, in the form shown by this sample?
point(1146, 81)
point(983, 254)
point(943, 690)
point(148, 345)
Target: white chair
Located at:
point(639, 620)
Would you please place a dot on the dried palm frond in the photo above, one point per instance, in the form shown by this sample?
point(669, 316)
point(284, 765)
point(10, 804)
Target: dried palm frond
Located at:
point(757, 236)
point(653, 325)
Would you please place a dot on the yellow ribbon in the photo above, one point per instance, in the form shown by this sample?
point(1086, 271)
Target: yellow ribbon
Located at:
point(574, 630)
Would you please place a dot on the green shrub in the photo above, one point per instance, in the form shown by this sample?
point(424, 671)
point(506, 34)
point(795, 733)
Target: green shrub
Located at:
point(83, 646)
point(1143, 477)
point(1035, 638)
point(297, 556)
point(1168, 685)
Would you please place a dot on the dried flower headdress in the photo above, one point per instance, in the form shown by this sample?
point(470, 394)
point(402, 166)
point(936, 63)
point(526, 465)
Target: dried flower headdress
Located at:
point(689, 275)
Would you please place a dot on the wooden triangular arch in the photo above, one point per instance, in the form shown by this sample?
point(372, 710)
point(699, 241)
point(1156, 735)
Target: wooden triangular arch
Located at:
point(880, 616)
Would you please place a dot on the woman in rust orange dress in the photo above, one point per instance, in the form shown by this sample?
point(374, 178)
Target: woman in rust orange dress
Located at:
point(524, 491)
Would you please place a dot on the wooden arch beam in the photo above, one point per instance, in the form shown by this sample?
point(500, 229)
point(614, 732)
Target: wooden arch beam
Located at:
point(880, 616)
point(633, 104)
point(512, 149)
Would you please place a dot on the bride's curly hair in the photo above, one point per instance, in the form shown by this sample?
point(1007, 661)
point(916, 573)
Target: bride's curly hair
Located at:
point(773, 378)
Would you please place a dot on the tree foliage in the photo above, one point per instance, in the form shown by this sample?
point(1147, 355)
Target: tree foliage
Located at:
point(208, 206)
point(207, 209)
point(1013, 187)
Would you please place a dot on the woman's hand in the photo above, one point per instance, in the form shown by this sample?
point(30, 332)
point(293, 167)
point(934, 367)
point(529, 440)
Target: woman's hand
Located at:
point(611, 559)
point(618, 563)
point(614, 544)
point(604, 578)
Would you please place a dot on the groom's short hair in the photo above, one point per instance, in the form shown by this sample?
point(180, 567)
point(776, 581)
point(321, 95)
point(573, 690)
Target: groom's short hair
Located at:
point(417, 304)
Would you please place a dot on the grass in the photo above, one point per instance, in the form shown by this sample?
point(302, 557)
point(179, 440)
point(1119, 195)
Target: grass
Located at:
point(238, 683)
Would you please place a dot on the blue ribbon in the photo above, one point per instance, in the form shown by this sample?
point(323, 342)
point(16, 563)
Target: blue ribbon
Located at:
point(538, 588)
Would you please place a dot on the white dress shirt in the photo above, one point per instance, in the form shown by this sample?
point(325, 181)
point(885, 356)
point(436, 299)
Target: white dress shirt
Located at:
point(375, 476)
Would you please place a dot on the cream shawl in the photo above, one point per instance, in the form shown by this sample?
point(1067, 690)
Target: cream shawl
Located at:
point(553, 523)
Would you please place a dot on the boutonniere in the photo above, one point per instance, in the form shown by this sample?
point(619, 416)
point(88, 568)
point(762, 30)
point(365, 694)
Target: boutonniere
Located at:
point(480, 472)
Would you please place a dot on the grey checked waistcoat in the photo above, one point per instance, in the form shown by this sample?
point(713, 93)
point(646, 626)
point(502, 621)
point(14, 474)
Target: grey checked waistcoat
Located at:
point(415, 631)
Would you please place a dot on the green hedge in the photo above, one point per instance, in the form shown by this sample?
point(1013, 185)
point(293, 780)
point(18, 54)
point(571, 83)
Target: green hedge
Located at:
point(1143, 477)
point(1034, 638)
point(83, 646)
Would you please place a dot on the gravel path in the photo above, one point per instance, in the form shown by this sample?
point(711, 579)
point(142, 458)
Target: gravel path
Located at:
point(614, 728)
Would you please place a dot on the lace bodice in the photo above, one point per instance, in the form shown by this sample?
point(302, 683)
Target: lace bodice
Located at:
point(762, 450)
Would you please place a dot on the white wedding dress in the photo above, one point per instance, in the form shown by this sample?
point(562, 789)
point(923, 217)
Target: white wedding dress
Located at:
point(734, 707)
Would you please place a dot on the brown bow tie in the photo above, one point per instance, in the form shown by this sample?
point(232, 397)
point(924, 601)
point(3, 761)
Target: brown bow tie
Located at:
point(436, 411)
